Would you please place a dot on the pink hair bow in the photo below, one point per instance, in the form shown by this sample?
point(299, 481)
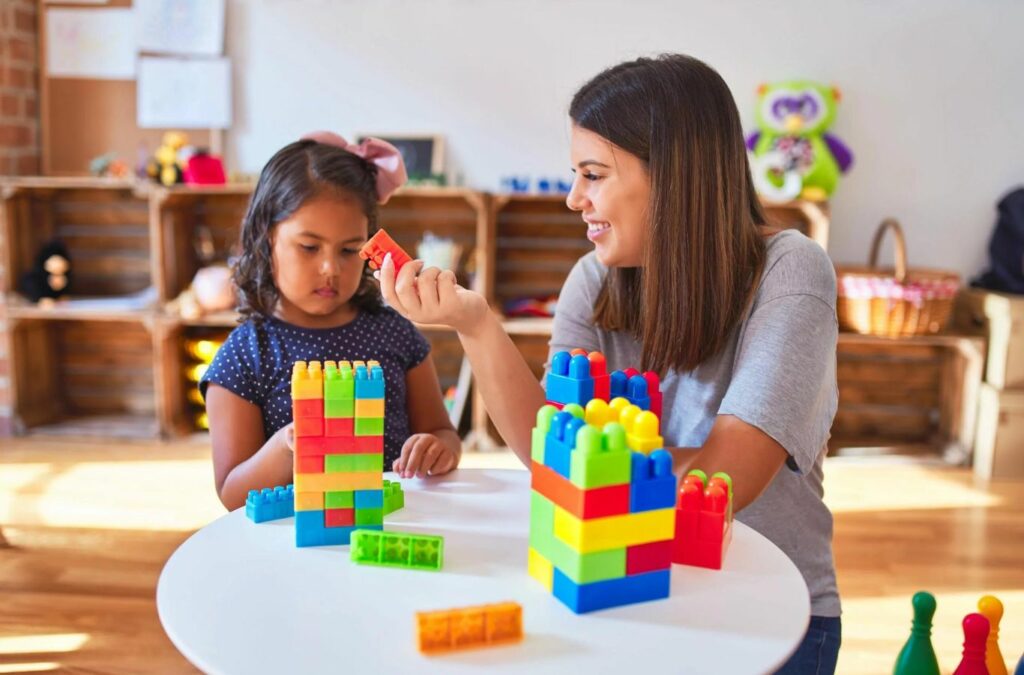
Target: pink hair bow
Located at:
point(386, 157)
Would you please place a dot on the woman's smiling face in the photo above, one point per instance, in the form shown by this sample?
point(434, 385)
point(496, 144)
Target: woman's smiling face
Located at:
point(612, 191)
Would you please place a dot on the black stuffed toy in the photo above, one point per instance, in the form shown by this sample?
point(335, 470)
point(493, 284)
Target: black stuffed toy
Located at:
point(50, 277)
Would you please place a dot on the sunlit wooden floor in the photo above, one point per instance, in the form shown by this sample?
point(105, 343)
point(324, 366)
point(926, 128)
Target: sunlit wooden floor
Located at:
point(89, 526)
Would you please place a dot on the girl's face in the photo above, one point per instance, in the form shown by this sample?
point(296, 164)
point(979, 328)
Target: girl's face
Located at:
point(315, 260)
point(612, 190)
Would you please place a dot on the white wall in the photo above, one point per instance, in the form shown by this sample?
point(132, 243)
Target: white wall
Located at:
point(933, 91)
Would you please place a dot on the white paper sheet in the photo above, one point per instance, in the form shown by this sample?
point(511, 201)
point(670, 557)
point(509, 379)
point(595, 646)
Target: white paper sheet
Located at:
point(90, 43)
point(184, 93)
point(189, 27)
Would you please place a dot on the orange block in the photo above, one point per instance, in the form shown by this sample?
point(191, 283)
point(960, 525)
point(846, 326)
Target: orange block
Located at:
point(611, 500)
point(469, 627)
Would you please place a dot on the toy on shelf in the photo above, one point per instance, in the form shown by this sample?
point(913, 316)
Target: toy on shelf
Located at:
point(379, 245)
point(918, 656)
point(991, 608)
point(338, 417)
point(167, 164)
point(109, 166)
point(703, 520)
point(975, 635)
point(602, 514)
point(398, 549)
point(202, 168)
point(545, 186)
point(394, 498)
point(469, 627)
point(792, 140)
point(50, 276)
point(266, 504)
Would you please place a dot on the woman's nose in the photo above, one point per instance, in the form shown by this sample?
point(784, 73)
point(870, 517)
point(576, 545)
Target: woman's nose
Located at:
point(576, 200)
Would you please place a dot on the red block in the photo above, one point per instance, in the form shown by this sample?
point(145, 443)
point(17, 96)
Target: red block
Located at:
point(656, 555)
point(654, 391)
point(308, 408)
point(368, 444)
point(309, 464)
point(310, 446)
point(612, 500)
point(339, 426)
point(339, 517)
point(630, 372)
point(703, 524)
point(379, 245)
point(309, 426)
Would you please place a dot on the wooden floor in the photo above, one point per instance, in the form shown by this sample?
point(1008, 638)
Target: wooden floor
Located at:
point(88, 528)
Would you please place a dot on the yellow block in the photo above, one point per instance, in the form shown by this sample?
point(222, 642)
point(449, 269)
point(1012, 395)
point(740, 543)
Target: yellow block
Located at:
point(331, 482)
point(541, 569)
point(601, 534)
point(370, 407)
point(309, 501)
point(307, 380)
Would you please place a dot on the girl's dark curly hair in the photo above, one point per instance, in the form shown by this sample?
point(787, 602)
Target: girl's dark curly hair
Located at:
point(294, 175)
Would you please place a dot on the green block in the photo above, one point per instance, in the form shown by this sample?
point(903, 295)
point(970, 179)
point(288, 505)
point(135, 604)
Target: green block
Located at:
point(601, 457)
point(369, 426)
point(369, 517)
point(352, 463)
point(339, 384)
point(540, 430)
point(394, 498)
point(582, 568)
point(343, 499)
point(397, 549)
point(338, 408)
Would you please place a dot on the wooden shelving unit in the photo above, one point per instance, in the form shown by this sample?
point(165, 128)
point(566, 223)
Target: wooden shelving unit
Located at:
point(82, 369)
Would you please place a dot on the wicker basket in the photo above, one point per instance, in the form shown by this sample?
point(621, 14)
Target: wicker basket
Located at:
point(894, 302)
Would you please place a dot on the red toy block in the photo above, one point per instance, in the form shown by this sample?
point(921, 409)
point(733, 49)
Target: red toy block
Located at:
point(612, 500)
point(379, 245)
point(309, 464)
point(308, 408)
point(310, 446)
point(368, 444)
point(654, 391)
point(703, 523)
point(599, 373)
point(630, 372)
point(657, 555)
point(339, 426)
point(339, 517)
point(309, 426)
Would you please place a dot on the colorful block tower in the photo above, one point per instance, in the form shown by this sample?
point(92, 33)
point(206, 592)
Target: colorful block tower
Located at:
point(602, 516)
point(338, 413)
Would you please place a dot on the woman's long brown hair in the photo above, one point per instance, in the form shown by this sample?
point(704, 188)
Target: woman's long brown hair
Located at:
point(704, 256)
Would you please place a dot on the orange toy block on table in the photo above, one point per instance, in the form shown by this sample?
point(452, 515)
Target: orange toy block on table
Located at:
point(378, 246)
point(469, 627)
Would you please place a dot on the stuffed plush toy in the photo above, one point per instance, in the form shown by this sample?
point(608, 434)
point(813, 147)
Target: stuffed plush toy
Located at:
point(50, 277)
point(792, 118)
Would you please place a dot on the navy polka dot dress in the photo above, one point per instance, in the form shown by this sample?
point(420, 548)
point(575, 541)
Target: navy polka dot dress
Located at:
point(256, 360)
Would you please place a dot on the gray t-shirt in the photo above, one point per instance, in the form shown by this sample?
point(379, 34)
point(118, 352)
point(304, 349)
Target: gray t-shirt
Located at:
point(777, 373)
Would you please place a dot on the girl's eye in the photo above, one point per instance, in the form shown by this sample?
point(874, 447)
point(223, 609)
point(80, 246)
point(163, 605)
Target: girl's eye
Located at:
point(350, 251)
point(309, 248)
point(592, 176)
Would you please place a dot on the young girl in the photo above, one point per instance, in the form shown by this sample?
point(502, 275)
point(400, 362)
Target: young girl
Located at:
point(685, 280)
point(307, 295)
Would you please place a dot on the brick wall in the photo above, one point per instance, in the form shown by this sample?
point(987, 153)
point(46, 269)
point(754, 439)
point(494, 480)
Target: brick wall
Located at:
point(19, 135)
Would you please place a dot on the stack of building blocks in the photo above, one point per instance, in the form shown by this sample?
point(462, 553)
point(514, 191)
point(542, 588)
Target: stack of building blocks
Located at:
point(468, 627)
point(703, 520)
point(338, 414)
point(266, 504)
point(578, 377)
point(394, 498)
point(398, 549)
point(602, 516)
point(379, 245)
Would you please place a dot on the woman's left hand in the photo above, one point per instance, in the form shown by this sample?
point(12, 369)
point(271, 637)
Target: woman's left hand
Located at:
point(424, 455)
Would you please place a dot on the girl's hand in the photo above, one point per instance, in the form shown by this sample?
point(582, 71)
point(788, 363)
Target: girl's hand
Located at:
point(424, 455)
point(287, 436)
point(430, 296)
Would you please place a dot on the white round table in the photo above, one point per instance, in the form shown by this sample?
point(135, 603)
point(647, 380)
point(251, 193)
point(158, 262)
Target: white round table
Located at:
point(238, 597)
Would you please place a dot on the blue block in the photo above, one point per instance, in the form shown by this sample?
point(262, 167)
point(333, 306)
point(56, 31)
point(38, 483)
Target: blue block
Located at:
point(560, 441)
point(369, 499)
point(369, 384)
point(653, 485)
point(636, 392)
point(266, 504)
point(617, 385)
point(310, 530)
point(569, 380)
point(582, 598)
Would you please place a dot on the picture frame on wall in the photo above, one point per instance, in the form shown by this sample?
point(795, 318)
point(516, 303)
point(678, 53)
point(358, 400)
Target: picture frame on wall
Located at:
point(423, 154)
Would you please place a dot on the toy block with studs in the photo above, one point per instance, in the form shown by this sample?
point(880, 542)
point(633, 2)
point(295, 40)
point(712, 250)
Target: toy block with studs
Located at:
point(398, 549)
point(469, 627)
point(379, 245)
point(270, 504)
point(703, 527)
point(569, 379)
point(394, 498)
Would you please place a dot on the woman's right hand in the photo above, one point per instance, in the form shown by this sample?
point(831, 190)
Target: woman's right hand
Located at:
point(431, 296)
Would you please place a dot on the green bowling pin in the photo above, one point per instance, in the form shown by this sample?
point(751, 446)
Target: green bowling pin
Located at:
point(917, 656)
